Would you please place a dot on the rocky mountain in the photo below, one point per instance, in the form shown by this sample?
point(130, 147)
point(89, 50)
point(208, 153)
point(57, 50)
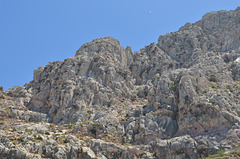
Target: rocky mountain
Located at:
point(179, 98)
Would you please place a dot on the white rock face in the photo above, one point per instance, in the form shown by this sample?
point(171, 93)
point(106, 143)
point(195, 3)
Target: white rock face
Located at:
point(97, 76)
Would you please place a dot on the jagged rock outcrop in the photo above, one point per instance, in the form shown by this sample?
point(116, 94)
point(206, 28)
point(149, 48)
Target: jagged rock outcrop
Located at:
point(216, 31)
point(179, 98)
point(97, 76)
point(150, 61)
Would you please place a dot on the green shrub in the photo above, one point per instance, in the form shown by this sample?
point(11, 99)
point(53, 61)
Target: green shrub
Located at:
point(214, 87)
point(220, 155)
point(2, 97)
point(212, 78)
point(70, 126)
point(95, 128)
point(47, 133)
point(173, 86)
point(21, 139)
point(66, 141)
point(205, 91)
point(39, 138)
point(178, 152)
point(176, 81)
point(133, 99)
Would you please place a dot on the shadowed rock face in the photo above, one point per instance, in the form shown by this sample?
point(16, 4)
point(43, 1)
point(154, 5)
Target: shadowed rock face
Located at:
point(178, 98)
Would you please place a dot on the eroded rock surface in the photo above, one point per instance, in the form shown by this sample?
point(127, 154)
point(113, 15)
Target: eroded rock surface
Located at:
point(179, 98)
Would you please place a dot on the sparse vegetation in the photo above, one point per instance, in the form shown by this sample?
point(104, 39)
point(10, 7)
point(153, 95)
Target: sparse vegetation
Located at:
point(133, 99)
point(220, 155)
point(39, 137)
point(47, 133)
point(70, 126)
point(213, 78)
point(21, 139)
point(200, 105)
point(173, 86)
point(85, 122)
point(2, 97)
point(198, 36)
point(205, 91)
point(187, 99)
point(176, 81)
point(66, 141)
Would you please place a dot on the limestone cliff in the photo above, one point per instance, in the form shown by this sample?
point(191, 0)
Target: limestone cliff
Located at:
point(179, 98)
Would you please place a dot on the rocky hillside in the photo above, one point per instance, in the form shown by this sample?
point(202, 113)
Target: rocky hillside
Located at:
point(179, 98)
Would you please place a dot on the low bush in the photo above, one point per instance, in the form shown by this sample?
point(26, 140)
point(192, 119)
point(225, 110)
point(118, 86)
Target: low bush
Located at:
point(212, 78)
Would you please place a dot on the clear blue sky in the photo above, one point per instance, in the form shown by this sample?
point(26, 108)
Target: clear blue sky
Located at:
point(34, 32)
